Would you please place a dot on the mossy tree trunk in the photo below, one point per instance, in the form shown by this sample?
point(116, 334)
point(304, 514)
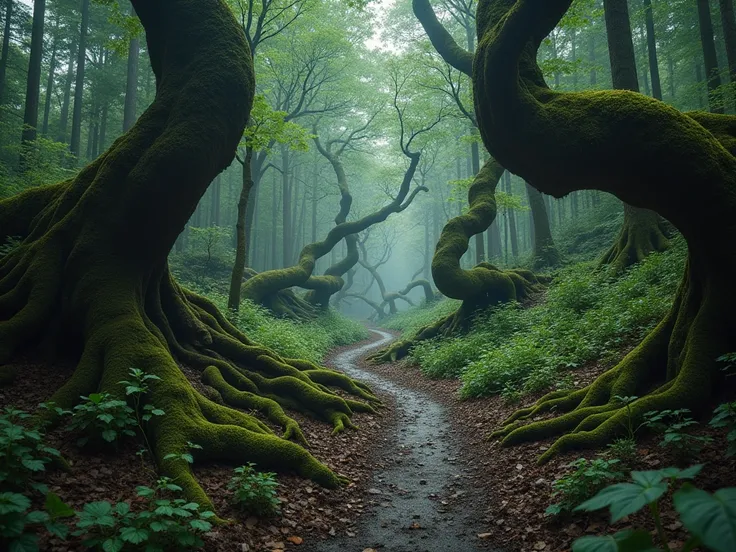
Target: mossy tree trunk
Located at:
point(82, 268)
point(675, 366)
point(265, 288)
point(478, 288)
point(484, 285)
point(642, 231)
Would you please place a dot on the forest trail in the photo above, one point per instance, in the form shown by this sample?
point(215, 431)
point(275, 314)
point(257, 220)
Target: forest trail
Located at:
point(420, 493)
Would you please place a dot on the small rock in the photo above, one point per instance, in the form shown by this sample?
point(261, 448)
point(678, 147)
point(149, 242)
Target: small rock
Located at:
point(484, 535)
point(374, 491)
point(540, 545)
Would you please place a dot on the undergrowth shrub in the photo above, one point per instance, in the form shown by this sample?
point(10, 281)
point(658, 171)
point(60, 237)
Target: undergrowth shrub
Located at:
point(588, 315)
point(255, 492)
point(308, 340)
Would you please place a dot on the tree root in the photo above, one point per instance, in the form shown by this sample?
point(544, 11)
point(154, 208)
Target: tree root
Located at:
point(641, 234)
point(509, 286)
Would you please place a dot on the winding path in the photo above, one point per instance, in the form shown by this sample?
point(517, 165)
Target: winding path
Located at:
point(422, 506)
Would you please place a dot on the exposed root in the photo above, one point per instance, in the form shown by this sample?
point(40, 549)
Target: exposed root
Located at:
point(642, 233)
point(511, 285)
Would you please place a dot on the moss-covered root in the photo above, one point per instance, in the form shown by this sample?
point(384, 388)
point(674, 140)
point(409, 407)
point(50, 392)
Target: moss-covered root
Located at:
point(642, 233)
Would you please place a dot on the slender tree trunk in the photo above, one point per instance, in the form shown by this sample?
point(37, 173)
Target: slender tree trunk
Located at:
point(79, 85)
point(64, 117)
point(274, 218)
point(50, 80)
point(652, 50)
point(513, 237)
point(103, 129)
point(33, 85)
point(241, 247)
point(593, 61)
point(621, 45)
point(715, 97)
point(545, 252)
point(286, 206)
point(729, 36)
point(131, 86)
point(671, 75)
point(699, 80)
point(6, 47)
point(480, 254)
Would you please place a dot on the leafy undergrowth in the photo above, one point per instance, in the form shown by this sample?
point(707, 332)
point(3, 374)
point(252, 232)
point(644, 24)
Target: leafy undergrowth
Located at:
point(411, 320)
point(533, 507)
point(587, 316)
point(308, 340)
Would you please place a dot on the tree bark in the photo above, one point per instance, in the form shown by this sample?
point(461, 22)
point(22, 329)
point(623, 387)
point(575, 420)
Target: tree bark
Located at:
point(6, 47)
point(131, 83)
point(241, 244)
point(729, 36)
point(652, 50)
point(50, 81)
point(33, 86)
point(79, 84)
point(712, 72)
point(70, 75)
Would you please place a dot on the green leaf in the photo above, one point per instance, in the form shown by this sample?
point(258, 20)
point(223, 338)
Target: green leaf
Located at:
point(33, 465)
point(200, 525)
point(98, 509)
point(107, 418)
point(96, 398)
point(711, 518)
point(13, 502)
point(56, 507)
point(624, 541)
point(157, 526)
point(37, 517)
point(58, 529)
point(626, 498)
point(114, 544)
point(109, 435)
point(187, 458)
point(157, 412)
point(25, 543)
point(134, 535)
point(145, 491)
point(122, 508)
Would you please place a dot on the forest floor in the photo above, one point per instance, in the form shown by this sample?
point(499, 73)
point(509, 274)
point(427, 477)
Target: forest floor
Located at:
point(515, 491)
point(424, 477)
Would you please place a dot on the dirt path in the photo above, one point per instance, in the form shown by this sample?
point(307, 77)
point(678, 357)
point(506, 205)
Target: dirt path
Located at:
point(423, 502)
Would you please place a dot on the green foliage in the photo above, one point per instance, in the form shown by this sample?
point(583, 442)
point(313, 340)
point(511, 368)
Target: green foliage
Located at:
point(213, 240)
point(17, 523)
point(267, 127)
point(725, 417)
point(710, 518)
point(186, 455)
point(624, 449)
point(412, 320)
point(23, 453)
point(255, 492)
point(588, 477)
point(673, 423)
point(310, 340)
point(103, 419)
point(10, 244)
point(165, 523)
point(587, 316)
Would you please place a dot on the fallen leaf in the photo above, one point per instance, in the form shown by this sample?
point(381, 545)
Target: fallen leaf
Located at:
point(295, 540)
point(484, 535)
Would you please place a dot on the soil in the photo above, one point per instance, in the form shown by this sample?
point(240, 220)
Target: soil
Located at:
point(424, 475)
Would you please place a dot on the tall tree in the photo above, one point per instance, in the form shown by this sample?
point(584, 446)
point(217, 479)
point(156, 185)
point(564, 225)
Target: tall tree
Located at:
point(641, 232)
point(76, 138)
point(84, 268)
point(652, 50)
point(712, 72)
point(131, 86)
point(33, 84)
point(729, 36)
point(9, 4)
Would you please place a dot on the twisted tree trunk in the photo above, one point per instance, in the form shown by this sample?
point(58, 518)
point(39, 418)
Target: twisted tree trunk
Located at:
point(82, 267)
point(522, 119)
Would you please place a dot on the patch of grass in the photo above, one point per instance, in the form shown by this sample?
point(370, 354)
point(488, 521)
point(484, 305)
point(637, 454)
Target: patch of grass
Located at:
point(588, 315)
point(307, 340)
point(412, 320)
